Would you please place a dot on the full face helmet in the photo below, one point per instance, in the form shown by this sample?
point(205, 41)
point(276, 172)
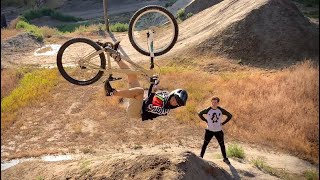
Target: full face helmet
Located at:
point(180, 95)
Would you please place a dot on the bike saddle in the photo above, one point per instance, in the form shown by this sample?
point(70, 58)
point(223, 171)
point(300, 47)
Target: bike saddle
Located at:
point(116, 45)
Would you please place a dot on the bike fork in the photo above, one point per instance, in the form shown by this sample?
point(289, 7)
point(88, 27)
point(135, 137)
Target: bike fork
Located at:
point(150, 35)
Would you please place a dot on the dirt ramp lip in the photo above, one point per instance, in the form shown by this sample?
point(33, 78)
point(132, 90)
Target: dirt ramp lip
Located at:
point(185, 165)
point(194, 167)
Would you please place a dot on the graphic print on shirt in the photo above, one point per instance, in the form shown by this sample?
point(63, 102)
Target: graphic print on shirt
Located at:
point(214, 120)
point(157, 105)
point(215, 117)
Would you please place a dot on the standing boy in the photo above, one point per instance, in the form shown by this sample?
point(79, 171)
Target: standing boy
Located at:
point(214, 126)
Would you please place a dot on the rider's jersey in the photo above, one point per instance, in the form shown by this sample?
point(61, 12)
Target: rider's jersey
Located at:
point(156, 105)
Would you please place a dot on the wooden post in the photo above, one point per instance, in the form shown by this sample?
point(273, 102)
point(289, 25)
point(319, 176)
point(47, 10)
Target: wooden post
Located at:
point(106, 20)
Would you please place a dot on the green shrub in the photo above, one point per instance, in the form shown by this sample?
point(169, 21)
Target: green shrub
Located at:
point(34, 30)
point(71, 27)
point(37, 13)
point(119, 27)
point(235, 151)
point(311, 175)
point(181, 14)
point(189, 15)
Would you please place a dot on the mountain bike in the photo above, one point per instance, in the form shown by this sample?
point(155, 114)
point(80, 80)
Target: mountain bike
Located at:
point(153, 31)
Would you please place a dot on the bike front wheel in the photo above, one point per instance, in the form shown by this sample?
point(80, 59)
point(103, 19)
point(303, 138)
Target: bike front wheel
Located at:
point(161, 22)
point(75, 66)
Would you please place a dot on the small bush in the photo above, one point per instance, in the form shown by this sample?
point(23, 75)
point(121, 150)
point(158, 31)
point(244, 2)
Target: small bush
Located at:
point(119, 27)
point(181, 14)
point(189, 15)
point(235, 151)
point(37, 13)
point(311, 175)
point(30, 28)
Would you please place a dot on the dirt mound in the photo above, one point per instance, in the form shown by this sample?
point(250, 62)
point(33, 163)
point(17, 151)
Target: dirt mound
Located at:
point(185, 165)
point(193, 167)
point(15, 47)
point(23, 42)
point(261, 33)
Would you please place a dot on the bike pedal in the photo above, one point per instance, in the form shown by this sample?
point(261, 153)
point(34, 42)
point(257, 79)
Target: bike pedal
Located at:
point(114, 78)
point(116, 45)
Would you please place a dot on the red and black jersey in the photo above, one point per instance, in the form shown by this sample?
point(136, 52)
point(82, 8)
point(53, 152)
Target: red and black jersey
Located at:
point(156, 105)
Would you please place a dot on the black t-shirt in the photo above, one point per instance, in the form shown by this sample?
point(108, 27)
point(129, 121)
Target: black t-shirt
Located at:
point(156, 105)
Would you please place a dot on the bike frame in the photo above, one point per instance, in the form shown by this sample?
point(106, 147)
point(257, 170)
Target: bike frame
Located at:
point(139, 70)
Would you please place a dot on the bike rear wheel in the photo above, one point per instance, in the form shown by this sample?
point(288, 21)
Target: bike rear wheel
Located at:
point(158, 19)
point(70, 61)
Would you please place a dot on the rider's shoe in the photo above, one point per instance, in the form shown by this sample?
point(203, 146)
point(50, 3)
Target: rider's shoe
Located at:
point(226, 160)
point(108, 89)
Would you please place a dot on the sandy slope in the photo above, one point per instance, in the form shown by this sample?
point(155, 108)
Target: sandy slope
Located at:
point(81, 120)
point(262, 33)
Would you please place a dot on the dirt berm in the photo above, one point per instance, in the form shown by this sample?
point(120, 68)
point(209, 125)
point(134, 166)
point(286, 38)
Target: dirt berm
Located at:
point(170, 166)
point(261, 32)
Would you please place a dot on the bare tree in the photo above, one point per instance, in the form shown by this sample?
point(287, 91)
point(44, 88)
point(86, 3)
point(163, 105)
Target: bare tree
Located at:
point(106, 20)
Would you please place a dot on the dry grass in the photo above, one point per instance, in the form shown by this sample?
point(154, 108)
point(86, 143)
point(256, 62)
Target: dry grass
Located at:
point(49, 32)
point(279, 109)
point(33, 87)
point(7, 33)
point(9, 81)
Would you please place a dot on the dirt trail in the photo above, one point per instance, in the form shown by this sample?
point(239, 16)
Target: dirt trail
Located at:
point(81, 121)
point(168, 161)
point(14, 52)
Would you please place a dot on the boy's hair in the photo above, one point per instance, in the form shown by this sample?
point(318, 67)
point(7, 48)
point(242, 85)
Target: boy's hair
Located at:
point(215, 98)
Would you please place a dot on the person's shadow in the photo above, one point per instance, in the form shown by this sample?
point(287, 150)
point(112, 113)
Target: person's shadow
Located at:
point(235, 173)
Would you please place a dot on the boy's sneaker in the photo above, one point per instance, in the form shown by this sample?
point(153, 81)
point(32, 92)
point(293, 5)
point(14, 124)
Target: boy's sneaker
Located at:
point(226, 160)
point(108, 89)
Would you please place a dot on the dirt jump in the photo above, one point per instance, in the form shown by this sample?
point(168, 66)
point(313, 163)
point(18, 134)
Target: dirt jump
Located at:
point(260, 33)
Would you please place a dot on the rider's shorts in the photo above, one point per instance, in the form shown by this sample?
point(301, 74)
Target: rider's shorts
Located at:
point(134, 108)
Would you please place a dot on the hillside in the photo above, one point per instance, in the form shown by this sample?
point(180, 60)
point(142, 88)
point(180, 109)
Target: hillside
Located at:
point(244, 51)
point(261, 33)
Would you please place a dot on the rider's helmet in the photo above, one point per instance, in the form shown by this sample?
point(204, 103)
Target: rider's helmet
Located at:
point(180, 95)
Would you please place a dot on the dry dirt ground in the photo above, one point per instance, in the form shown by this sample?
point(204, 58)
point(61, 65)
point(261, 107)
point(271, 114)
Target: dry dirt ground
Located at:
point(106, 144)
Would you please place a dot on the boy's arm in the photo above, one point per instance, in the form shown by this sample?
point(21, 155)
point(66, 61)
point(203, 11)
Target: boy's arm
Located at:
point(201, 113)
point(225, 112)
